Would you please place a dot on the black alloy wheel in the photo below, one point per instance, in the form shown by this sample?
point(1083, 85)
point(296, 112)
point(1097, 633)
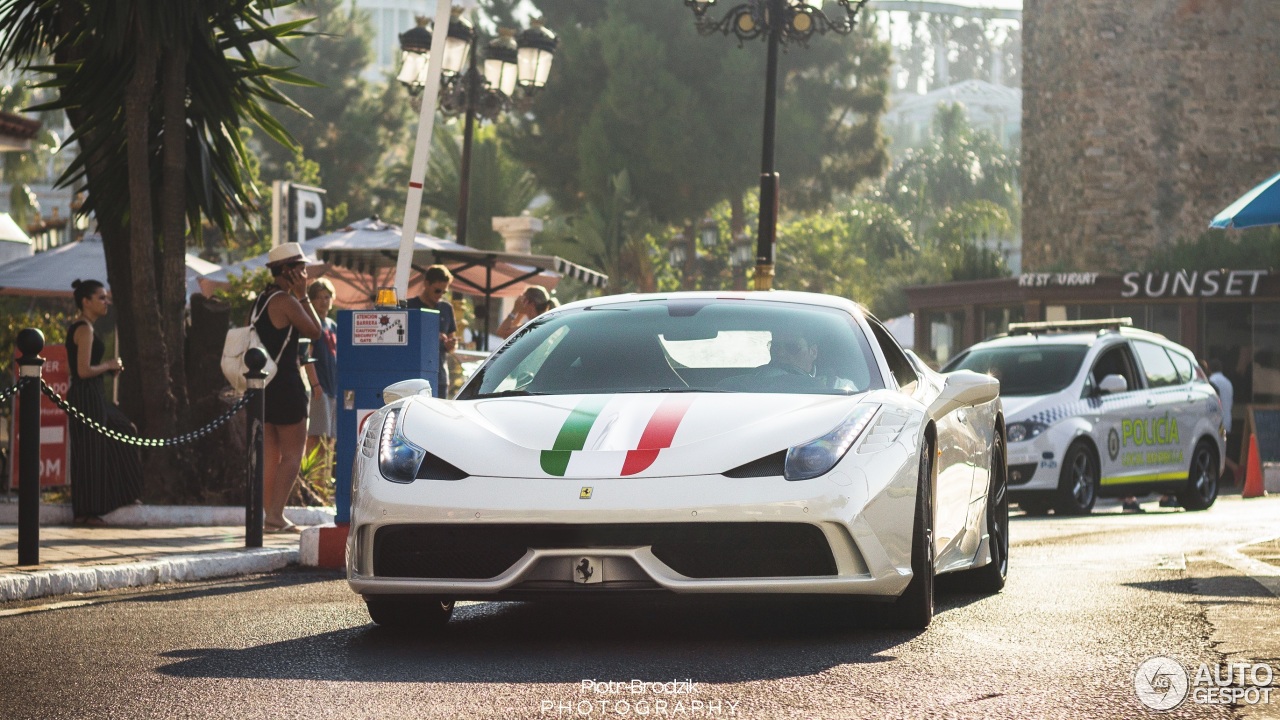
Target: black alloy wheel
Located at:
point(1202, 478)
point(913, 610)
point(1078, 484)
point(990, 578)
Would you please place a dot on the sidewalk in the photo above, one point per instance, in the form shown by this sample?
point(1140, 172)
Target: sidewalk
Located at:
point(144, 545)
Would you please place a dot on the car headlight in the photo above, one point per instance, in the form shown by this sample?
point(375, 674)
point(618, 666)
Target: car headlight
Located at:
point(398, 459)
point(1022, 431)
point(817, 457)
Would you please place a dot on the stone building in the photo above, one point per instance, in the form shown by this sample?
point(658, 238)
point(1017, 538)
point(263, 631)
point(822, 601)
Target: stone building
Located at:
point(1140, 121)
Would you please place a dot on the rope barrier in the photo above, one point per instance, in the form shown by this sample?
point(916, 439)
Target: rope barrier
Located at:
point(74, 412)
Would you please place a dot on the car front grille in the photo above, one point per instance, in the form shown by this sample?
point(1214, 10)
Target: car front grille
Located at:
point(696, 550)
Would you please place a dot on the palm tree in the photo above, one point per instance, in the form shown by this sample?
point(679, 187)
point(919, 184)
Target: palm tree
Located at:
point(156, 93)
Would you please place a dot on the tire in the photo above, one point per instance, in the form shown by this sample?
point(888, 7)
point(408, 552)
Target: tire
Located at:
point(1036, 508)
point(1202, 478)
point(990, 577)
point(409, 612)
point(913, 610)
point(1079, 482)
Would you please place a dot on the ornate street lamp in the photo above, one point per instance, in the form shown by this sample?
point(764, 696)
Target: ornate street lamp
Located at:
point(511, 72)
point(710, 232)
point(777, 22)
point(677, 251)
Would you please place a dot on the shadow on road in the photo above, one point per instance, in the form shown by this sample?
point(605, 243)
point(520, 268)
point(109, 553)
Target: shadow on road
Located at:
point(714, 639)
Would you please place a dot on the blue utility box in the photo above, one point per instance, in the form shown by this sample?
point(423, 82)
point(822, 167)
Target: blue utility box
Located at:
point(375, 349)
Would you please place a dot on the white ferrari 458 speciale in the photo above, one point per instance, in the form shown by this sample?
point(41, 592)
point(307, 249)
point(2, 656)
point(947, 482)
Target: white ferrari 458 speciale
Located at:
point(745, 442)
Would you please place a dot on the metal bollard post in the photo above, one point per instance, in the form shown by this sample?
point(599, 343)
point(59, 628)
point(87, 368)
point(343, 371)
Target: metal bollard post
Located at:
point(30, 343)
point(255, 359)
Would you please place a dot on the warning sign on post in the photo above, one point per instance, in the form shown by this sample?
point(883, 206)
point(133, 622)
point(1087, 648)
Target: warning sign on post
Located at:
point(379, 327)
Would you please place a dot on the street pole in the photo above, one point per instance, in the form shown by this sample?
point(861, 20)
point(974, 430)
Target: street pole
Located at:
point(30, 343)
point(422, 150)
point(468, 129)
point(767, 235)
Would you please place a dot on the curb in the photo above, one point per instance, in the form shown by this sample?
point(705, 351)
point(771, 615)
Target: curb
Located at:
point(29, 584)
point(167, 515)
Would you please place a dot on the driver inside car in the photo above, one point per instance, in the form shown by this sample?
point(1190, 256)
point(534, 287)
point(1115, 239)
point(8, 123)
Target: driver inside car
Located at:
point(793, 360)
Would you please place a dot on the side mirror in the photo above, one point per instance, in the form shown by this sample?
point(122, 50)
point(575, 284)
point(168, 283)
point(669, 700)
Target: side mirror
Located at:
point(1113, 384)
point(404, 389)
point(964, 388)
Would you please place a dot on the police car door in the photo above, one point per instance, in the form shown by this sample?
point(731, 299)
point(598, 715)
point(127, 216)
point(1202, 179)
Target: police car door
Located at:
point(1160, 437)
point(1115, 412)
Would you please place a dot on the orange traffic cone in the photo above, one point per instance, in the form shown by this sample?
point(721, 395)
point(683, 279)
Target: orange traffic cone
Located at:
point(1253, 486)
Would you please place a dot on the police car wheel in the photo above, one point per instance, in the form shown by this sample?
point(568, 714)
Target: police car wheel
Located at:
point(1202, 478)
point(1079, 481)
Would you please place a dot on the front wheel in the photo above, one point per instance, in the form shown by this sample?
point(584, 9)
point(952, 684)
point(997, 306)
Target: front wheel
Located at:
point(1202, 478)
point(913, 610)
point(990, 577)
point(1079, 481)
point(409, 612)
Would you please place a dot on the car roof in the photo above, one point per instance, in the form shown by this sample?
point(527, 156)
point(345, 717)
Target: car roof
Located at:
point(1071, 332)
point(779, 296)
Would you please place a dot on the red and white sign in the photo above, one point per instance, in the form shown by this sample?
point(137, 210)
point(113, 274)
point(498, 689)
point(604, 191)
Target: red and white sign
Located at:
point(379, 327)
point(55, 445)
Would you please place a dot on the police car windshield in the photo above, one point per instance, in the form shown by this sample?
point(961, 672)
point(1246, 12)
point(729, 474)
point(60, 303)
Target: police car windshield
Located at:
point(1035, 370)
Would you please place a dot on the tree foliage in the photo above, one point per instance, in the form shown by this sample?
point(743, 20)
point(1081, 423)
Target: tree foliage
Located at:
point(500, 186)
point(614, 237)
point(353, 128)
point(156, 94)
point(636, 88)
point(1216, 249)
point(20, 168)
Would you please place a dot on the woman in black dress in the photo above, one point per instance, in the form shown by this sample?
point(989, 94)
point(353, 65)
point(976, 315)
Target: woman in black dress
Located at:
point(104, 473)
point(288, 316)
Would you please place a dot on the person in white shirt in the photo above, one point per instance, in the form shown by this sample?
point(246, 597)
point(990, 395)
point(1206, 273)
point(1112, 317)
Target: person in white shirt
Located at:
point(1226, 395)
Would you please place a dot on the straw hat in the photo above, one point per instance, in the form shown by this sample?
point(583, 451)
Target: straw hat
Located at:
point(287, 254)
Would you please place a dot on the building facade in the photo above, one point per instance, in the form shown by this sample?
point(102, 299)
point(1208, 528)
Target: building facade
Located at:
point(1141, 120)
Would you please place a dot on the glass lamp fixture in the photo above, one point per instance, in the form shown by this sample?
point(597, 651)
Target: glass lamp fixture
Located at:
point(500, 67)
point(709, 233)
point(458, 43)
point(415, 49)
point(536, 50)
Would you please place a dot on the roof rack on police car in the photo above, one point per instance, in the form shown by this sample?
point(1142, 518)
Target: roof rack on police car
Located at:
point(1031, 328)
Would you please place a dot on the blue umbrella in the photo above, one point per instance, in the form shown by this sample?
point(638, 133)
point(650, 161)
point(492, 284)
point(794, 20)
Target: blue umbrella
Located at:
point(1259, 206)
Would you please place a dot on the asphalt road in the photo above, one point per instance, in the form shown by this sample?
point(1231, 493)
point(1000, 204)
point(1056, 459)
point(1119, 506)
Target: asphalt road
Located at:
point(1088, 601)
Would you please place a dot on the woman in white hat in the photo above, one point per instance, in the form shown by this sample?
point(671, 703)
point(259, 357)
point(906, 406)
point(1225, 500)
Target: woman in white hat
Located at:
point(288, 316)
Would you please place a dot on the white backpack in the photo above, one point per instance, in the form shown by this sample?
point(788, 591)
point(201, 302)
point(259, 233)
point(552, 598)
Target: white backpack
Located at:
point(238, 342)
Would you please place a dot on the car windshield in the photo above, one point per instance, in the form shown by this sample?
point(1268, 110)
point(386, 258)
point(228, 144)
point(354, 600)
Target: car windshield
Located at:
point(1025, 370)
point(682, 345)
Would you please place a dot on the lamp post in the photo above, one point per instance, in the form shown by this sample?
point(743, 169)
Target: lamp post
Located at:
point(513, 69)
point(777, 22)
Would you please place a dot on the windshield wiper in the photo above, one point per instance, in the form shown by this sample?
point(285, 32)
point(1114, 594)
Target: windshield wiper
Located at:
point(506, 393)
point(688, 390)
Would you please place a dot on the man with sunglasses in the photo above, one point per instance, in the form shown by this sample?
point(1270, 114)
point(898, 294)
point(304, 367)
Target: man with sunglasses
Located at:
point(436, 281)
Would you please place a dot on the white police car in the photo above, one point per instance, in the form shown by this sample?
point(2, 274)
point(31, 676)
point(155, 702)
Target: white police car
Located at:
point(1098, 408)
